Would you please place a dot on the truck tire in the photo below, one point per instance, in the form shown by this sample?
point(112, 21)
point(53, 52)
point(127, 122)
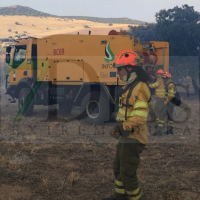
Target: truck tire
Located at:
point(23, 94)
point(66, 107)
point(95, 108)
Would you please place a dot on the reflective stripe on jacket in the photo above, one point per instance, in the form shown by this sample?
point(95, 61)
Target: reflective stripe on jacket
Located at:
point(137, 111)
point(159, 88)
point(170, 92)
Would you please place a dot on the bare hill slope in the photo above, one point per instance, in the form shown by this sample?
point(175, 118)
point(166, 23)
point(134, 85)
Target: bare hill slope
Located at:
point(22, 26)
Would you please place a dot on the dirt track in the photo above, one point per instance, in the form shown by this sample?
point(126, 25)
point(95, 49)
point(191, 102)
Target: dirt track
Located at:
point(58, 158)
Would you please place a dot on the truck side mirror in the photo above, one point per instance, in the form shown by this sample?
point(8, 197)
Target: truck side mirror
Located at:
point(8, 49)
point(8, 58)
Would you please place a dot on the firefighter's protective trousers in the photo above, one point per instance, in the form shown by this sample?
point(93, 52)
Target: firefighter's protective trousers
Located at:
point(125, 166)
point(167, 111)
point(158, 107)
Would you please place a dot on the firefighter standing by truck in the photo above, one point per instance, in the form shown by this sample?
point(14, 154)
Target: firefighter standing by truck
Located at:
point(159, 93)
point(168, 106)
point(131, 128)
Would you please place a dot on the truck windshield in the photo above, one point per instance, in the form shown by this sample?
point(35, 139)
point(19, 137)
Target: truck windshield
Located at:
point(19, 55)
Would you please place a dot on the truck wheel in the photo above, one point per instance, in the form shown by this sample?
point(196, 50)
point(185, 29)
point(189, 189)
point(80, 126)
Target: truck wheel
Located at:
point(23, 94)
point(95, 108)
point(66, 107)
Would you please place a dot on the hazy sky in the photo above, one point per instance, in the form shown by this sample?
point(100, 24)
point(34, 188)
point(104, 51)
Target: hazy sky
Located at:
point(143, 10)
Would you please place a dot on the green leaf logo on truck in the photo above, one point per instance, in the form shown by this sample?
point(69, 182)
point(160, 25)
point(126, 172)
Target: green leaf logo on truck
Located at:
point(109, 54)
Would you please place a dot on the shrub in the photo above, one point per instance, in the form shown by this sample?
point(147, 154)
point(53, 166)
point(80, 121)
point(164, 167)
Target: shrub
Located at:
point(86, 26)
point(16, 32)
point(9, 30)
point(25, 31)
point(47, 28)
point(17, 23)
point(10, 36)
point(110, 24)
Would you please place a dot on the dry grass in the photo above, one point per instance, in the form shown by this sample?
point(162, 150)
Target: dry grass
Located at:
point(4, 159)
point(55, 26)
point(80, 174)
point(53, 160)
point(73, 177)
point(45, 182)
point(171, 195)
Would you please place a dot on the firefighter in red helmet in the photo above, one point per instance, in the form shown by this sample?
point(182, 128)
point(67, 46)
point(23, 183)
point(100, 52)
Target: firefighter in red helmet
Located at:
point(130, 130)
point(168, 106)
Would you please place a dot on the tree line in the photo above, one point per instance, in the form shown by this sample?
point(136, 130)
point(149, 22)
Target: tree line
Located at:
point(180, 26)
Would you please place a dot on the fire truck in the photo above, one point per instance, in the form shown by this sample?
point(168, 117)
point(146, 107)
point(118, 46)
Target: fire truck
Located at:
point(75, 70)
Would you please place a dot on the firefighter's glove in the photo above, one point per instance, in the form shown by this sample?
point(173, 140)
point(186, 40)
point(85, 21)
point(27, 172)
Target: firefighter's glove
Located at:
point(149, 84)
point(118, 131)
point(123, 133)
point(114, 132)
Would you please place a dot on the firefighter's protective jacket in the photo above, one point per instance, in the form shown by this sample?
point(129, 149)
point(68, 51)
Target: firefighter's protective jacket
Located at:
point(137, 111)
point(170, 92)
point(159, 88)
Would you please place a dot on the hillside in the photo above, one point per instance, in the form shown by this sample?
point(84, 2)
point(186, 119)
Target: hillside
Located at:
point(23, 10)
point(123, 20)
point(27, 11)
point(15, 27)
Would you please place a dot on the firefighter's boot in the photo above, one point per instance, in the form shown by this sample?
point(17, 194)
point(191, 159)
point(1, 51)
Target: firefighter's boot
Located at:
point(170, 130)
point(158, 133)
point(159, 130)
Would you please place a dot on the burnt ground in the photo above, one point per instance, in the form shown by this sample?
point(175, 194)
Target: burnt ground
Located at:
point(53, 158)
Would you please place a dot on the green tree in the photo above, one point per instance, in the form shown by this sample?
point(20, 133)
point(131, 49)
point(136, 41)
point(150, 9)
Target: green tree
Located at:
point(145, 32)
point(181, 28)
